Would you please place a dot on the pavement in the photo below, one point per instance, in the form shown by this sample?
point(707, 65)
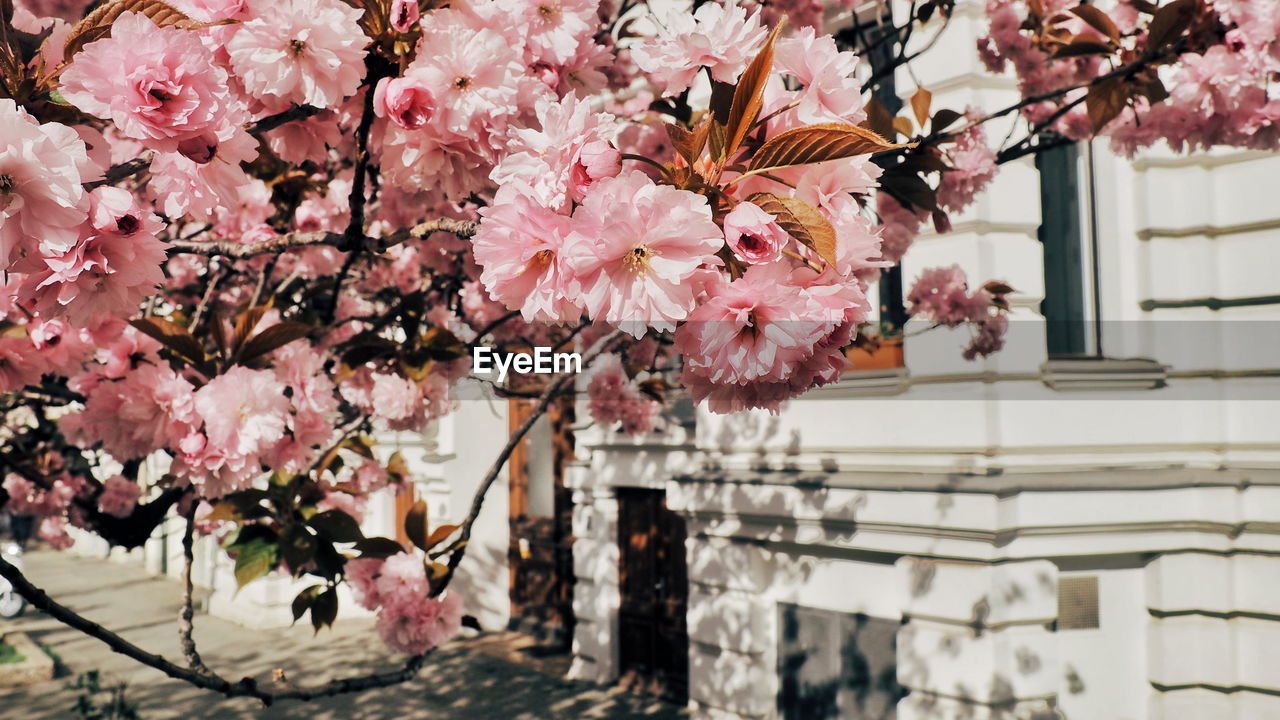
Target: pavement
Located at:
point(492, 676)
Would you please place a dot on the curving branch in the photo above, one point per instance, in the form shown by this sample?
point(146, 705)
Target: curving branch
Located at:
point(458, 548)
point(295, 240)
point(186, 613)
point(245, 687)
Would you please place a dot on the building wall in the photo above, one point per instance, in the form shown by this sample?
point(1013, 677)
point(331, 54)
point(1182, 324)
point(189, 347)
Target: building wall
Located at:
point(955, 497)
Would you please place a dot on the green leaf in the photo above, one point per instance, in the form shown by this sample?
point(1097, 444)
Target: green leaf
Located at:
point(256, 558)
point(337, 525)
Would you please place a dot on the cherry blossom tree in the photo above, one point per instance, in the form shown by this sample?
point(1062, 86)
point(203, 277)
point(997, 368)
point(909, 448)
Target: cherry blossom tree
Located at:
point(240, 237)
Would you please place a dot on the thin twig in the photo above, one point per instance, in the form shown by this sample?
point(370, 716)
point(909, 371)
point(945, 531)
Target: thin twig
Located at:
point(186, 624)
point(458, 548)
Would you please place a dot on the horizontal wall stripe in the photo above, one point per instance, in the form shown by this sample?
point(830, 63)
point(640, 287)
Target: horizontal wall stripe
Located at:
point(1211, 303)
point(1215, 614)
point(1224, 689)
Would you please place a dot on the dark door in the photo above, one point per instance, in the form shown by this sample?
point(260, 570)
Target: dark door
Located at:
point(654, 583)
point(540, 554)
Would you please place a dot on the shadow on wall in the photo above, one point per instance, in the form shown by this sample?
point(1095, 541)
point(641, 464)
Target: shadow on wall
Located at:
point(859, 680)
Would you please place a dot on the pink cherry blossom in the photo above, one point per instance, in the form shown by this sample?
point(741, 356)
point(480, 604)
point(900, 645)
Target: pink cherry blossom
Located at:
point(110, 271)
point(521, 247)
point(640, 251)
point(119, 496)
point(405, 101)
point(308, 52)
point(404, 14)
point(42, 203)
point(557, 163)
point(753, 235)
point(149, 409)
point(722, 38)
point(172, 91)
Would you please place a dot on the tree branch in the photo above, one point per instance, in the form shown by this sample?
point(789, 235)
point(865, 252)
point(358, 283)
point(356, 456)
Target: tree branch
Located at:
point(124, 170)
point(458, 549)
point(245, 687)
point(186, 613)
point(295, 240)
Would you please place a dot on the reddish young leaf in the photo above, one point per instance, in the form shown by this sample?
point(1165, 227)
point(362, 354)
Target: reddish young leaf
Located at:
point(1105, 101)
point(276, 336)
point(879, 119)
point(748, 96)
point(415, 524)
point(438, 535)
point(689, 143)
point(943, 119)
point(1169, 22)
point(818, 143)
point(378, 547)
point(173, 336)
point(1097, 20)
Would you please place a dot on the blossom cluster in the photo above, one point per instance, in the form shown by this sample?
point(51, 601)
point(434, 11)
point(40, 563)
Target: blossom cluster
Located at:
point(1216, 92)
point(239, 236)
point(941, 296)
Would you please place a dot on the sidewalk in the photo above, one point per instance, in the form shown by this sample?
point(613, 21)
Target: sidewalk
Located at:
point(468, 680)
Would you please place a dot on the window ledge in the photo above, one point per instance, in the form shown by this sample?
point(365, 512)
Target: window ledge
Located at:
point(1086, 374)
point(868, 383)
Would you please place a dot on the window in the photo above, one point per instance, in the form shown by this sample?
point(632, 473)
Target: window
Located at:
point(893, 312)
point(1078, 603)
point(1068, 231)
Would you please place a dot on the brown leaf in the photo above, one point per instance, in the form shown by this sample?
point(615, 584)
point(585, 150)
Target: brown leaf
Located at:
point(943, 119)
point(1105, 101)
point(903, 126)
point(438, 535)
point(689, 143)
point(920, 103)
point(173, 336)
point(818, 143)
point(246, 322)
point(276, 336)
point(378, 547)
point(879, 120)
point(907, 187)
point(1082, 45)
point(748, 96)
point(1169, 22)
point(1097, 20)
point(415, 524)
point(97, 24)
point(801, 221)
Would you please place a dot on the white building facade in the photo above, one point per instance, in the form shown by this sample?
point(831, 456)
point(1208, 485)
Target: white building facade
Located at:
point(1081, 527)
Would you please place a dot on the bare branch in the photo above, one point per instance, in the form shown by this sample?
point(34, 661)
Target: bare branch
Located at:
point(458, 549)
point(245, 687)
point(186, 613)
point(291, 241)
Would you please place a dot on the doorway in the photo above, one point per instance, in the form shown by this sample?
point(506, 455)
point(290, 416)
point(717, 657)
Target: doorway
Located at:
point(654, 583)
point(540, 553)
